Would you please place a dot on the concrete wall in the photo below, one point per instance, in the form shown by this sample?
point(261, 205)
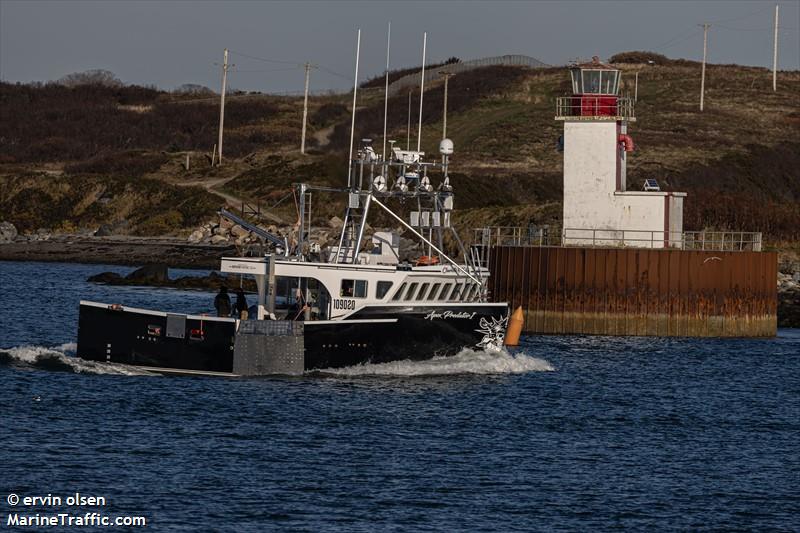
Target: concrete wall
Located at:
point(595, 197)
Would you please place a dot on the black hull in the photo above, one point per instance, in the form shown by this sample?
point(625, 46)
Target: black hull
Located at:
point(373, 335)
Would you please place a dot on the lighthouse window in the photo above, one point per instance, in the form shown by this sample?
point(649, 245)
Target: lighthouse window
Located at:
point(591, 81)
point(353, 288)
point(576, 81)
point(411, 290)
point(608, 80)
point(383, 288)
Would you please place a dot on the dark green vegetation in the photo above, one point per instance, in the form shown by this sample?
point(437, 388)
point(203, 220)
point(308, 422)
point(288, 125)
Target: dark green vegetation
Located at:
point(67, 203)
point(77, 157)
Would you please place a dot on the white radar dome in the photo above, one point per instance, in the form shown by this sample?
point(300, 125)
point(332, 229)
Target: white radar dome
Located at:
point(446, 147)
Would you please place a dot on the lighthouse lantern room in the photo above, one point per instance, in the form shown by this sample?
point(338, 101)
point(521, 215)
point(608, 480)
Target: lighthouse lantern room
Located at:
point(598, 208)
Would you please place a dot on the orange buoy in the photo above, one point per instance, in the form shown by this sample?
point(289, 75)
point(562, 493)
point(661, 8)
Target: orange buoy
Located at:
point(515, 327)
point(427, 260)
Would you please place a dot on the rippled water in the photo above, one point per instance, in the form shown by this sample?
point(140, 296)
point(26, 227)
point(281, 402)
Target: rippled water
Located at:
point(567, 433)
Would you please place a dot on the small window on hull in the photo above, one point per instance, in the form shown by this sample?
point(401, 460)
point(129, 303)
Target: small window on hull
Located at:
point(382, 289)
point(454, 296)
point(434, 291)
point(353, 288)
point(399, 293)
point(411, 290)
point(445, 292)
point(423, 290)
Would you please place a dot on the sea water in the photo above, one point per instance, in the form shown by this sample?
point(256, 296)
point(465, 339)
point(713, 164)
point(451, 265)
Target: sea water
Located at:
point(564, 433)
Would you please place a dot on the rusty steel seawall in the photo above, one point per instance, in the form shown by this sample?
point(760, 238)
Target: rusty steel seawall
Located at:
point(629, 291)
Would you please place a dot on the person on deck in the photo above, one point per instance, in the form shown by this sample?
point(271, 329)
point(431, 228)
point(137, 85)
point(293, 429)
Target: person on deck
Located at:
point(222, 302)
point(241, 304)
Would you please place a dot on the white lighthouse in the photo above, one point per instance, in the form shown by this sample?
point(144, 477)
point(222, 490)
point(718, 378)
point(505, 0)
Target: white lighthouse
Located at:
point(598, 208)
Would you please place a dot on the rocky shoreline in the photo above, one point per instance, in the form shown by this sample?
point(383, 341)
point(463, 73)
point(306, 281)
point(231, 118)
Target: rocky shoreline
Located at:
point(157, 275)
point(128, 251)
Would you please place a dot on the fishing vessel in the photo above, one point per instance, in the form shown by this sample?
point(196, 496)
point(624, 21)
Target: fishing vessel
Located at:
point(351, 303)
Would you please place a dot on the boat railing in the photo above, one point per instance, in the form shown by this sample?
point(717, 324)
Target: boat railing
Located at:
point(725, 241)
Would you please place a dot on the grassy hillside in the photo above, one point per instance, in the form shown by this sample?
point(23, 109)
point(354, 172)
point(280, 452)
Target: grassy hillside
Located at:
point(738, 160)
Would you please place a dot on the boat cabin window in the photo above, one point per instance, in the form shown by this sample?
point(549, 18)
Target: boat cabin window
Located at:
point(473, 293)
point(382, 289)
point(399, 293)
point(434, 291)
point(422, 291)
point(411, 290)
point(292, 293)
point(456, 291)
point(445, 292)
point(353, 288)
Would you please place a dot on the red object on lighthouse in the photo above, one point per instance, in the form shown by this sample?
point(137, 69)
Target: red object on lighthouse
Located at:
point(595, 89)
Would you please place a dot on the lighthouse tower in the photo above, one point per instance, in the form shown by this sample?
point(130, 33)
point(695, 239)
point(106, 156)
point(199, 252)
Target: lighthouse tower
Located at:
point(598, 208)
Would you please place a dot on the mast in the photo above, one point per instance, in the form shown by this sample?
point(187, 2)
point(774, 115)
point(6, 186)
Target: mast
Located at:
point(421, 90)
point(353, 119)
point(386, 92)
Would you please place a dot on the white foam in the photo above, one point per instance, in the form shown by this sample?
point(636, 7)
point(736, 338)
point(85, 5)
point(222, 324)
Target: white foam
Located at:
point(40, 356)
point(467, 361)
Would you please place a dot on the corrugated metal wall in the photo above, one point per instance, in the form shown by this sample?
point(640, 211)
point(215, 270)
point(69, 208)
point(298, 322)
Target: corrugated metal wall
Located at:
point(626, 291)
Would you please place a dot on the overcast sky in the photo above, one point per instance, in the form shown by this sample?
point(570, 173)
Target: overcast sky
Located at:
point(170, 43)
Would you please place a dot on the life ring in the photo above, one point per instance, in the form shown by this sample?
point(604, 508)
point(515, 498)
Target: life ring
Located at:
point(426, 260)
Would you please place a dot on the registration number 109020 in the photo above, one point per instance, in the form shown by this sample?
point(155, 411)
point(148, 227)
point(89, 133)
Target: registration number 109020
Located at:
point(344, 304)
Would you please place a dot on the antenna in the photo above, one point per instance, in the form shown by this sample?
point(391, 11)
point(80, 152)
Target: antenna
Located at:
point(353, 120)
point(386, 93)
point(421, 90)
point(408, 128)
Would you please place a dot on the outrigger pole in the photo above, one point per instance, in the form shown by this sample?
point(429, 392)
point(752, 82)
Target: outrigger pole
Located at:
point(426, 241)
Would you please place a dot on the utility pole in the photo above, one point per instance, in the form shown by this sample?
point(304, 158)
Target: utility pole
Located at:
point(305, 110)
point(636, 88)
point(446, 75)
point(705, 53)
point(222, 104)
point(775, 53)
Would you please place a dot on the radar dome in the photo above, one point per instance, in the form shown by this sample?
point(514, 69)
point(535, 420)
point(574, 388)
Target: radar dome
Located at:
point(446, 147)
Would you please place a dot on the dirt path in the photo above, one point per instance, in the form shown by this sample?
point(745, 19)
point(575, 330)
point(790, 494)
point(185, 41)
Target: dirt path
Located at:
point(211, 185)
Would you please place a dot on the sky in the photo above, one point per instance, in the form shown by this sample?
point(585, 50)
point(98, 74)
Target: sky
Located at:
point(170, 43)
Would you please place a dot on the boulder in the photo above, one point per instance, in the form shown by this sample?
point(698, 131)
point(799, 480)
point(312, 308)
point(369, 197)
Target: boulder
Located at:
point(196, 236)
point(8, 232)
point(218, 239)
point(149, 274)
point(336, 223)
point(111, 278)
point(104, 231)
point(239, 232)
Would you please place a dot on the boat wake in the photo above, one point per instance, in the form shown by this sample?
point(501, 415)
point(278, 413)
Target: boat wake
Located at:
point(467, 361)
point(61, 359)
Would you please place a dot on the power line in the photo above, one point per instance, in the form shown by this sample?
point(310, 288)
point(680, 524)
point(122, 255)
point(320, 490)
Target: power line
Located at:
point(684, 39)
point(678, 38)
point(265, 70)
point(265, 60)
point(755, 29)
point(768, 7)
point(329, 71)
